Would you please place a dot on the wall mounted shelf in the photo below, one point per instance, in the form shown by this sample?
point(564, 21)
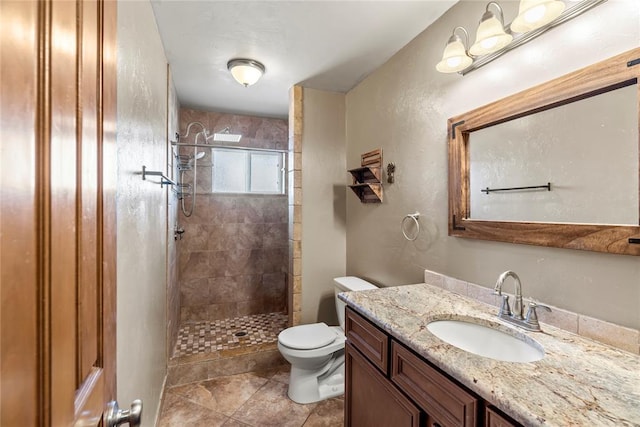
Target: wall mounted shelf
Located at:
point(367, 179)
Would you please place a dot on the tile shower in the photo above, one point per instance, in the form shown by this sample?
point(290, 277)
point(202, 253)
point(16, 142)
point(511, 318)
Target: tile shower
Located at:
point(232, 261)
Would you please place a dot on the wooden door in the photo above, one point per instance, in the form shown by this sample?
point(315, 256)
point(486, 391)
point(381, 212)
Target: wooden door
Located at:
point(57, 212)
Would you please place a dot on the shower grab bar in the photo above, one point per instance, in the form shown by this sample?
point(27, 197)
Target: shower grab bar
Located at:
point(163, 179)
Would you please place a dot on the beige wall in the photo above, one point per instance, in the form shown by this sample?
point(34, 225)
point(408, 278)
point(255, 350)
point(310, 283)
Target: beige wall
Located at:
point(141, 210)
point(324, 169)
point(403, 108)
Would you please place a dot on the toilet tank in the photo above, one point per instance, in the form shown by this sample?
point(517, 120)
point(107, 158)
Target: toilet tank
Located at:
point(346, 284)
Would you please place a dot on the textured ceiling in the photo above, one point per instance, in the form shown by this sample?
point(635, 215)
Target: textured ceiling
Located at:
point(327, 45)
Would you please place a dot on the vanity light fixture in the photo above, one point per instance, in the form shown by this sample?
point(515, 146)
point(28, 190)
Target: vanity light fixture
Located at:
point(494, 39)
point(246, 71)
point(490, 35)
point(455, 58)
point(534, 14)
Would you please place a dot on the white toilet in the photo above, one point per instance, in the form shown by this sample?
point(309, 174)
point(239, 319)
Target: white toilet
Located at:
point(316, 351)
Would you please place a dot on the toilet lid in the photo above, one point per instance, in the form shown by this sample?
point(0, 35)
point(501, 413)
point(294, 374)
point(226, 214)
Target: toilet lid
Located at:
point(307, 337)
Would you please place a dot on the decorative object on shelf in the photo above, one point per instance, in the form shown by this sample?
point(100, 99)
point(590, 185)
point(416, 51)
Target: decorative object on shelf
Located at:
point(391, 170)
point(246, 71)
point(494, 39)
point(532, 187)
point(414, 219)
point(163, 179)
point(367, 178)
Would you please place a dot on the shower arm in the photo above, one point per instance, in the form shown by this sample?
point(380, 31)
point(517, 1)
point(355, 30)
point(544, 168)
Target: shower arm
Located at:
point(204, 130)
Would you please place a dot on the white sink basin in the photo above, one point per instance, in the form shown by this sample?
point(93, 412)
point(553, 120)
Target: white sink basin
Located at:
point(486, 341)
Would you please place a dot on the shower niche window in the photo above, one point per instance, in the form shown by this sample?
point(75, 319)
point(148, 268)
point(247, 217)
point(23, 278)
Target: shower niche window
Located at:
point(247, 171)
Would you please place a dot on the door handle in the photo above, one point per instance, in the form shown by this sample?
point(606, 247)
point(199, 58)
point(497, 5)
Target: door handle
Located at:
point(114, 416)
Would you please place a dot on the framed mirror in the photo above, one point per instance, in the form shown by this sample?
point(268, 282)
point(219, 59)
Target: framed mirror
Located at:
point(556, 165)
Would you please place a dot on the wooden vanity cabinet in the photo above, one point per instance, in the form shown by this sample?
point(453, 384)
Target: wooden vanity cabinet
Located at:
point(389, 385)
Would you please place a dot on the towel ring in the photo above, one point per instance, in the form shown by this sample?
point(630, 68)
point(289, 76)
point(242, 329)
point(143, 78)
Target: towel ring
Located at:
point(414, 217)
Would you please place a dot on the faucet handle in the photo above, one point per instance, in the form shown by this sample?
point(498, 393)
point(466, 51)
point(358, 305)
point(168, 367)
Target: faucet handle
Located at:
point(531, 318)
point(505, 310)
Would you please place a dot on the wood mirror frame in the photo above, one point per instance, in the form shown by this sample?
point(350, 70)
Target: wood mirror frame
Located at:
point(616, 72)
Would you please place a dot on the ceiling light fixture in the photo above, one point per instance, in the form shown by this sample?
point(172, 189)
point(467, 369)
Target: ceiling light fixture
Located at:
point(490, 35)
point(494, 39)
point(246, 71)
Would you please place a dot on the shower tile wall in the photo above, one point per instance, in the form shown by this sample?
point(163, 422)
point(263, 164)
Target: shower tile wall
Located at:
point(233, 257)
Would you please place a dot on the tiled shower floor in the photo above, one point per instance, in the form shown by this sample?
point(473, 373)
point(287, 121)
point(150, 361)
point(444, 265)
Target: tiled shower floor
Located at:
point(228, 334)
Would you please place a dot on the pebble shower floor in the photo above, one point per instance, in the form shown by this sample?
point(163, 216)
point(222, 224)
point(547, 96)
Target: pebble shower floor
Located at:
point(226, 334)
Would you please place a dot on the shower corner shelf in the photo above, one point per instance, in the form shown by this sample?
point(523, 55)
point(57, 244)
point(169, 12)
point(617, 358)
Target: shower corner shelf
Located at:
point(367, 179)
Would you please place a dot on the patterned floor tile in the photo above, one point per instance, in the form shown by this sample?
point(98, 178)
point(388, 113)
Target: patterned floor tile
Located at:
point(228, 334)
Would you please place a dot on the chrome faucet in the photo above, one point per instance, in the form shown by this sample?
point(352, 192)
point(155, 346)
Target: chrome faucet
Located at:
point(517, 306)
point(530, 322)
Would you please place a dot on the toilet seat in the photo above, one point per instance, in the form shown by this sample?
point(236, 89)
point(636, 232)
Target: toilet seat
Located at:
point(307, 337)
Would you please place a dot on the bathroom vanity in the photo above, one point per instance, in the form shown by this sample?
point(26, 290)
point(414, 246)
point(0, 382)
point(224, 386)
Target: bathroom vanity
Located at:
point(398, 373)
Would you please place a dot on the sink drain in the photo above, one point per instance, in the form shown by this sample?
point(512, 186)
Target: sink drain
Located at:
point(240, 334)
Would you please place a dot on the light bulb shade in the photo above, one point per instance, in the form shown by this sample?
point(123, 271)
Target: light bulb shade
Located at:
point(490, 36)
point(534, 14)
point(246, 71)
point(455, 57)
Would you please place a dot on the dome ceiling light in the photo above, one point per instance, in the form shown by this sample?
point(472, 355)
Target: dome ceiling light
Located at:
point(246, 71)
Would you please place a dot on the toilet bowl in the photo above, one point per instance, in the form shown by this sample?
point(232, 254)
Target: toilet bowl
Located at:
point(316, 351)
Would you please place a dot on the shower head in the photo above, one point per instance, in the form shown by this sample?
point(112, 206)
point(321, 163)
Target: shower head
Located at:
point(225, 135)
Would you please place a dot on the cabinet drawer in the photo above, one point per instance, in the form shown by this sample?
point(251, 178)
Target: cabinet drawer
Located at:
point(436, 394)
point(367, 338)
point(493, 418)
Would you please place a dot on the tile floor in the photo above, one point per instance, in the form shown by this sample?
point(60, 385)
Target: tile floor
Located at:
point(253, 399)
point(228, 334)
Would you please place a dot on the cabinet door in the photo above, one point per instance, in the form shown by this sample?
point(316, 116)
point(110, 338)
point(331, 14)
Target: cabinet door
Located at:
point(371, 399)
point(439, 397)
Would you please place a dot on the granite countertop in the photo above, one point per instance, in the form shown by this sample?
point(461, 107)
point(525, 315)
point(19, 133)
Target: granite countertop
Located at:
point(579, 382)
